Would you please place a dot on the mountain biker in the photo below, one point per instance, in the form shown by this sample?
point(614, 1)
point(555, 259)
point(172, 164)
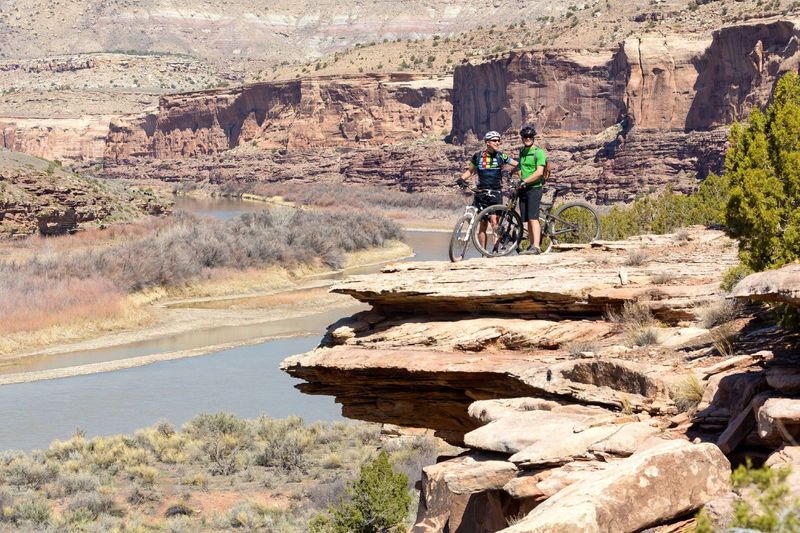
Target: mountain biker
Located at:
point(488, 164)
point(532, 161)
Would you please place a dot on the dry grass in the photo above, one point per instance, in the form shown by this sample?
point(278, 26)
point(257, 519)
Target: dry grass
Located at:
point(719, 312)
point(636, 257)
point(62, 289)
point(688, 392)
point(723, 338)
point(636, 322)
point(217, 473)
point(68, 329)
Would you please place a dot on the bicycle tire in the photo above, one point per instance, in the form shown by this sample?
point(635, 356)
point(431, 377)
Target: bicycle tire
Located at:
point(459, 240)
point(574, 223)
point(508, 231)
point(546, 240)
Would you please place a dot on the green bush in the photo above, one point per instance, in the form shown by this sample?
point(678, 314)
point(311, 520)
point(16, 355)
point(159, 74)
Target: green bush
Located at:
point(378, 501)
point(766, 503)
point(763, 168)
point(668, 211)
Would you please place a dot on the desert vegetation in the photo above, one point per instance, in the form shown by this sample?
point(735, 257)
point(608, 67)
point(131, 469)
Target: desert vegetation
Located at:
point(216, 473)
point(764, 502)
point(101, 275)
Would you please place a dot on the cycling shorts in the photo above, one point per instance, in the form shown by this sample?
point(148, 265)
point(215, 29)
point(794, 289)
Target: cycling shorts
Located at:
point(529, 202)
point(486, 198)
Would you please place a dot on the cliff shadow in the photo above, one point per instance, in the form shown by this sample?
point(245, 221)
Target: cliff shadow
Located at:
point(738, 71)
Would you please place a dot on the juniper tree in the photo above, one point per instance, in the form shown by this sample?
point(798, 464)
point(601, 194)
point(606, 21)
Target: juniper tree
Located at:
point(763, 169)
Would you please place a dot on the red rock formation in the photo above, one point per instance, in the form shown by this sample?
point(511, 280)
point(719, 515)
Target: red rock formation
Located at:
point(312, 112)
point(662, 83)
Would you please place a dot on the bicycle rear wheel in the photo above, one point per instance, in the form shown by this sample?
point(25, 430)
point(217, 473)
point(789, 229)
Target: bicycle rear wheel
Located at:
point(575, 223)
point(504, 237)
point(459, 241)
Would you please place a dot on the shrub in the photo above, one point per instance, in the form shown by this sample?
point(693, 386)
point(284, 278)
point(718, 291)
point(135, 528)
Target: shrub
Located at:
point(762, 166)
point(223, 437)
point(766, 503)
point(688, 392)
point(285, 443)
point(633, 314)
point(636, 257)
point(643, 336)
point(378, 501)
point(93, 503)
point(35, 511)
point(30, 472)
point(668, 211)
point(733, 276)
point(70, 483)
point(720, 312)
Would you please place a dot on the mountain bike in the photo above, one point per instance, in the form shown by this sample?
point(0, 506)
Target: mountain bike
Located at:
point(462, 231)
point(571, 223)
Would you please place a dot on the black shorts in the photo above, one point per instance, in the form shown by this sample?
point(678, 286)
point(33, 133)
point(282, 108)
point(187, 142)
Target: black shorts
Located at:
point(485, 199)
point(529, 203)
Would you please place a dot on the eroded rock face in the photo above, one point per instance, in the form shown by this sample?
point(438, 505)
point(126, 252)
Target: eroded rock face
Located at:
point(300, 114)
point(779, 285)
point(464, 494)
point(655, 485)
point(79, 139)
point(659, 82)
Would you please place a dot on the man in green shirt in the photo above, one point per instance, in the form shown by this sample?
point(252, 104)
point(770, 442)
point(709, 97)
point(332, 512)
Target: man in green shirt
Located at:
point(532, 161)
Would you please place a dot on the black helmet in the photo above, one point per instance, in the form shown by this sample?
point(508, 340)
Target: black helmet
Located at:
point(527, 131)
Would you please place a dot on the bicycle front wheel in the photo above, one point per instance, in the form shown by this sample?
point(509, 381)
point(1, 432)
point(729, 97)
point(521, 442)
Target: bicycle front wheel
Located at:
point(503, 237)
point(459, 241)
point(575, 223)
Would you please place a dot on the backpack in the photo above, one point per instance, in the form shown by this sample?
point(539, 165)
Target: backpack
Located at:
point(548, 168)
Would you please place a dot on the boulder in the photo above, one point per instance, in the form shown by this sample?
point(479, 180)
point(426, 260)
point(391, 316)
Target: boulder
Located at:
point(787, 457)
point(464, 494)
point(779, 285)
point(779, 420)
point(648, 488)
point(545, 483)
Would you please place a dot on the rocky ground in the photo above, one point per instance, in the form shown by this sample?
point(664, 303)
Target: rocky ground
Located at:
point(582, 383)
point(39, 197)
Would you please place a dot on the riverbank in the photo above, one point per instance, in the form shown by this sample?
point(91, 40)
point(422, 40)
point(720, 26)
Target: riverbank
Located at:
point(228, 301)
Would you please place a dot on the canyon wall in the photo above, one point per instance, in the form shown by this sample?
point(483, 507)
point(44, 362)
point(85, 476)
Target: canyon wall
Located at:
point(311, 112)
point(660, 83)
point(78, 139)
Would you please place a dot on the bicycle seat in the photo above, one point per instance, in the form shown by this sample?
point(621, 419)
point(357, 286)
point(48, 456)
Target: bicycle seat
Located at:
point(561, 188)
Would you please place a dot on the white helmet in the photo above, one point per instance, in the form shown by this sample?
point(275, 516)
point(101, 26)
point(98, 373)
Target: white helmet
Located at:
point(491, 135)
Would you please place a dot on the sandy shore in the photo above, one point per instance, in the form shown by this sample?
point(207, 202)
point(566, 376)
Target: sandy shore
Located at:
point(308, 296)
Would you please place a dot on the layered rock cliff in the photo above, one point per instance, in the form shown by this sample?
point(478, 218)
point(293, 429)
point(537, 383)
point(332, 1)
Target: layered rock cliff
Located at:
point(660, 82)
point(311, 112)
point(581, 383)
point(37, 197)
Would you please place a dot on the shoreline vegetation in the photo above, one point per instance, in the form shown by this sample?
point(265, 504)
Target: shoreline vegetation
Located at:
point(65, 289)
point(216, 473)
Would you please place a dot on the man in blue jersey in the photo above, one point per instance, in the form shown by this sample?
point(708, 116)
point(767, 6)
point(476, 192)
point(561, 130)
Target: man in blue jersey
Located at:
point(489, 164)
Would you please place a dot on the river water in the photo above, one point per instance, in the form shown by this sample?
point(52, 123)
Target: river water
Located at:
point(243, 380)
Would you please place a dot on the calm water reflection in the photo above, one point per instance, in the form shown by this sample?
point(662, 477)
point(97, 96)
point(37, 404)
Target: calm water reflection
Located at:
point(244, 380)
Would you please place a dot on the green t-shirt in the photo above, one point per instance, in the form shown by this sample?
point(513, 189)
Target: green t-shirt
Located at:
point(529, 159)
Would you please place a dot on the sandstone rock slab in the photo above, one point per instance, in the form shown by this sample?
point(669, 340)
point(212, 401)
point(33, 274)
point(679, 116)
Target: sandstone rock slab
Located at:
point(673, 478)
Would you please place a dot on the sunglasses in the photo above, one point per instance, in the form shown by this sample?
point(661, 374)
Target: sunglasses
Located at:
point(492, 140)
point(527, 136)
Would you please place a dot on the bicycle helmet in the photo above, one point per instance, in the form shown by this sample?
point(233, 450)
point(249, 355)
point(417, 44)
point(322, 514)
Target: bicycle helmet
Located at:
point(527, 132)
point(491, 135)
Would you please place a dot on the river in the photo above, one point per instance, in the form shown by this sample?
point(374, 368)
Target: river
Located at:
point(243, 380)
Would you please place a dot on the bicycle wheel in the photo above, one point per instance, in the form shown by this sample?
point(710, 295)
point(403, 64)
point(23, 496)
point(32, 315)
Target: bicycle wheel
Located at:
point(546, 243)
point(504, 237)
point(459, 241)
point(575, 223)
